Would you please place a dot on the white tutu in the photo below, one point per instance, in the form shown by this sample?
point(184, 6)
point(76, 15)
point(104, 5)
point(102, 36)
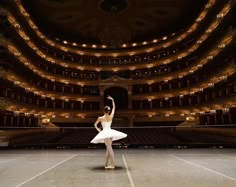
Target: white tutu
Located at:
point(107, 132)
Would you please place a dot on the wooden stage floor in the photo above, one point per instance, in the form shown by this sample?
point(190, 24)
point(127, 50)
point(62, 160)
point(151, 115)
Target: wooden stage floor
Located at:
point(134, 168)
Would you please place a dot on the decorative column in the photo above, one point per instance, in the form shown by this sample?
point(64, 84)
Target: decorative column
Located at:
point(53, 104)
point(37, 101)
point(54, 87)
point(208, 120)
point(215, 119)
point(81, 105)
point(169, 86)
point(101, 88)
point(161, 104)
point(150, 88)
point(5, 120)
point(150, 104)
point(227, 91)
point(63, 104)
point(206, 97)
point(230, 119)
point(180, 101)
point(197, 79)
point(222, 118)
point(30, 121)
point(12, 119)
point(30, 100)
point(179, 84)
point(18, 121)
point(160, 87)
point(81, 90)
point(23, 121)
point(131, 120)
point(198, 99)
point(190, 100)
point(46, 103)
point(140, 105)
point(188, 82)
point(213, 95)
point(130, 97)
point(140, 90)
point(72, 106)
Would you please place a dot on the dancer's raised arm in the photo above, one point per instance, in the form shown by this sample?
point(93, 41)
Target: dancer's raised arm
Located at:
point(113, 106)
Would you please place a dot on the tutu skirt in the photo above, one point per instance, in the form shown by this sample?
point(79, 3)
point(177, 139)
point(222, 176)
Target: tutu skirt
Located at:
point(108, 133)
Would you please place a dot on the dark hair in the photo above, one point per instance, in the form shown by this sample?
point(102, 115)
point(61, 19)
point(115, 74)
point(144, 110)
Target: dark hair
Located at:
point(107, 109)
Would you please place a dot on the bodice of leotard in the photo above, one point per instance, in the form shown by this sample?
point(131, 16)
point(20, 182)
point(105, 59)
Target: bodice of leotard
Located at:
point(106, 124)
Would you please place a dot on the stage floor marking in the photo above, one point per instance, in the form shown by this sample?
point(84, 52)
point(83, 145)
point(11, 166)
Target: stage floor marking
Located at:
point(128, 173)
point(46, 171)
point(231, 178)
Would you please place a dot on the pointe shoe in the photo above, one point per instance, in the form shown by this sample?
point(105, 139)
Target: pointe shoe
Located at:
point(109, 167)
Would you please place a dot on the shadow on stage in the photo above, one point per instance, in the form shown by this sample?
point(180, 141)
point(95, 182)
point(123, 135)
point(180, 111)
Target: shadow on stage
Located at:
point(101, 168)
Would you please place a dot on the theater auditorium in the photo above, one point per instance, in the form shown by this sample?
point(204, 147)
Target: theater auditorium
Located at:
point(162, 73)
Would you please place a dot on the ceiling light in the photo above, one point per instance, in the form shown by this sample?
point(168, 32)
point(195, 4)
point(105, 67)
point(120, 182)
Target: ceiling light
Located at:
point(144, 43)
point(155, 40)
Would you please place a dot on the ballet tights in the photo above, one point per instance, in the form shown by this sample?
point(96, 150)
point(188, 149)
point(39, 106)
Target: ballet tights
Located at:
point(109, 152)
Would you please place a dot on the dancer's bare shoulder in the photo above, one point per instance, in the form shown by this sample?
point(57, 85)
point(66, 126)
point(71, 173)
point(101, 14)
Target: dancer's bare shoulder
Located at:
point(105, 118)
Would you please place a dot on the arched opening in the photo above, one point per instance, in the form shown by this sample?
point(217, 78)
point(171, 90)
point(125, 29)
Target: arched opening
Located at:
point(120, 96)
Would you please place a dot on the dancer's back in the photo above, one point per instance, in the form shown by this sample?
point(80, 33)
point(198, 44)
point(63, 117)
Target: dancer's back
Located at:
point(106, 124)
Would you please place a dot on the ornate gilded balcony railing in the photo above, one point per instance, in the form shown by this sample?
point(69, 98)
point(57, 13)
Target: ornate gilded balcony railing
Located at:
point(225, 41)
point(200, 87)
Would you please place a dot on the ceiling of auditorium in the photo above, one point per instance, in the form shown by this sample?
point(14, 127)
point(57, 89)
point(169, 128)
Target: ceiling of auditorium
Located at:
point(112, 22)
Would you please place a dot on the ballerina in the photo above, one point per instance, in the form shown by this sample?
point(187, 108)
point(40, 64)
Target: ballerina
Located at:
point(107, 135)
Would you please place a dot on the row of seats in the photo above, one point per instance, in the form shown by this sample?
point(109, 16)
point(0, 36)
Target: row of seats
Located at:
point(218, 117)
point(17, 119)
point(136, 137)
